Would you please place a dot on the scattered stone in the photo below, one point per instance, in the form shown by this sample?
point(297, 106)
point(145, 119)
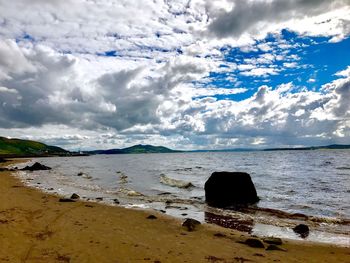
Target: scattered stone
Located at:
point(190, 224)
point(151, 217)
point(80, 174)
point(224, 189)
point(274, 247)
point(184, 214)
point(273, 240)
point(99, 198)
point(75, 196)
point(50, 189)
point(163, 211)
point(302, 230)
point(66, 200)
point(168, 202)
point(36, 167)
point(116, 201)
point(254, 242)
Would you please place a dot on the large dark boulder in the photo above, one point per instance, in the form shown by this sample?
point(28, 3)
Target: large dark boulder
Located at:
point(36, 167)
point(230, 189)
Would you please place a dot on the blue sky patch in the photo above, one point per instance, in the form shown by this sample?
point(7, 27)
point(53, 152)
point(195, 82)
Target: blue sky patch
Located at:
point(307, 62)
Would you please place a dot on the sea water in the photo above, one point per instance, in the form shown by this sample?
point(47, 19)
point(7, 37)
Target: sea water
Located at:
point(290, 184)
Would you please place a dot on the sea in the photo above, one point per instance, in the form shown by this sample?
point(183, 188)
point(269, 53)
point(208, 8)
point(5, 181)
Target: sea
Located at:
point(309, 187)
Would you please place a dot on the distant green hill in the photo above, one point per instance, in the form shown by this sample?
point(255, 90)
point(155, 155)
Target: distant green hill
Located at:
point(17, 148)
point(135, 149)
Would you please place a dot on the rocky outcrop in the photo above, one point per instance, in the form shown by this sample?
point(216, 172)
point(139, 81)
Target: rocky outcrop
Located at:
point(36, 167)
point(225, 189)
point(302, 230)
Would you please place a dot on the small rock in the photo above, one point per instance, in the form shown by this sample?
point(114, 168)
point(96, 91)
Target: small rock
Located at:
point(50, 189)
point(99, 198)
point(151, 217)
point(66, 200)
point(116, 201)
point(254, 242)
point(184, 214)
point(302, 230)
point(273, 240)
point(190, 224)
point(36, 167)
point(80, 174)
point(274, 247)
point(75, 196)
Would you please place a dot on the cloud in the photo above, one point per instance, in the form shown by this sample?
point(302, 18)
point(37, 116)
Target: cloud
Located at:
point(255, 16)
point(97, 74)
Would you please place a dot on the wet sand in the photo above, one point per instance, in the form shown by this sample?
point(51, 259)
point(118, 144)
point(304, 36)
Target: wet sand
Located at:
point(36, 227)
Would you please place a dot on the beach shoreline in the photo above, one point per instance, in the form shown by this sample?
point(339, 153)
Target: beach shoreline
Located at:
point(36, 227)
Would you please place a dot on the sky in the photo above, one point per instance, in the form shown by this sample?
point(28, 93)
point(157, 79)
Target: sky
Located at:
point(194, 74)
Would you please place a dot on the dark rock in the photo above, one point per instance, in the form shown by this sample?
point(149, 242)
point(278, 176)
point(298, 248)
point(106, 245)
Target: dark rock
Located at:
point(151, 217)
point(116, 201)
point(243, 225)
point(254, 242)
point(66, 200)
point(274, 247)
point(273, 240)
point(224, 189)
point(190, 224)
point(80, 174)
point(75, 196)
point(99, 198)
point(36, 167)
point(302, 230)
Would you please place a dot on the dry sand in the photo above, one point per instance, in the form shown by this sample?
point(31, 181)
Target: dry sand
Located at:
point(35, 227)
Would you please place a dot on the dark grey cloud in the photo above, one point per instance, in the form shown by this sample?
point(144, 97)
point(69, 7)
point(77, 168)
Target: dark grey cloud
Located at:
point(247, 16)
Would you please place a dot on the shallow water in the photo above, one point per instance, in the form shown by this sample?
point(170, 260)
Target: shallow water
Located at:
point(314, 183)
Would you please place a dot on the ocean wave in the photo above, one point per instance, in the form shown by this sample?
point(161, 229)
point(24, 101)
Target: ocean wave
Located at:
point(174, 182)
point(129, 192)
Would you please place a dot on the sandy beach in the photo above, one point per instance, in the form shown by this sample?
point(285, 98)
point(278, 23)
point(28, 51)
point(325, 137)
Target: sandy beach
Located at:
point(36, 227)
